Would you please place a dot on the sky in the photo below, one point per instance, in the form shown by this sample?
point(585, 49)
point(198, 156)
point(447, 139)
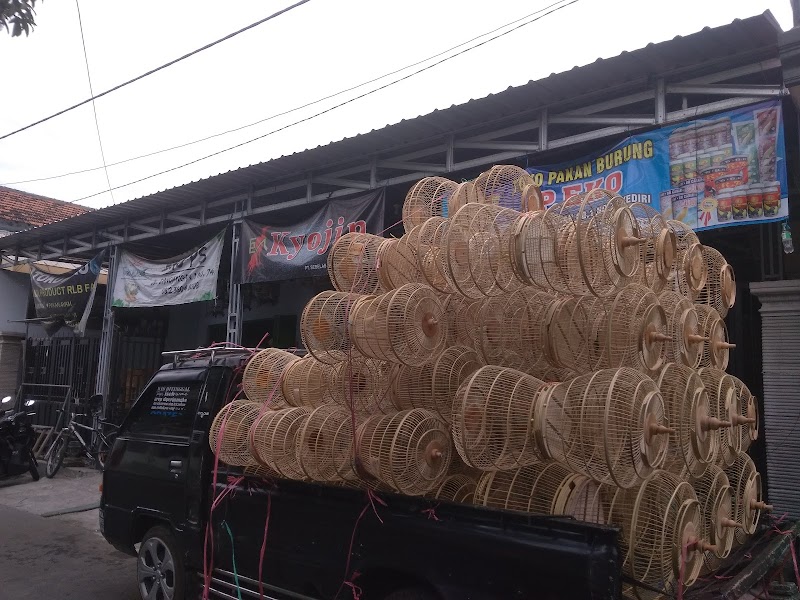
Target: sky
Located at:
point(315, 50)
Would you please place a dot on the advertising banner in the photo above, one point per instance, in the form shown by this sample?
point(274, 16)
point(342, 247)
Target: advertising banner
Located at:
point(728, 169)
point(190, 277)
point(283, 250)
point(65, 299)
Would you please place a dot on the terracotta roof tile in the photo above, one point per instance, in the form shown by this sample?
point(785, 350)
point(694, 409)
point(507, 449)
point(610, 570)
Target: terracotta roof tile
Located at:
point(32, 210)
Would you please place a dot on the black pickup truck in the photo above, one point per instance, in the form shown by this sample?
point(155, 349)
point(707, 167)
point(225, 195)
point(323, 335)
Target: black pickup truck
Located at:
point(285, 539)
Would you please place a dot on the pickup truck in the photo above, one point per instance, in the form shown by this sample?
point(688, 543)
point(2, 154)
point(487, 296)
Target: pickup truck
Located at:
point(204, 530)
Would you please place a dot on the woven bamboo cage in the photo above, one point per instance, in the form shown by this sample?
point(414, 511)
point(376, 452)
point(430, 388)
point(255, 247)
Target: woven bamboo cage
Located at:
point(683, 326)
point(353, 263)
point(610, 425)
point(659, 250)
point(576, 338)
point(456, 488)
point(306, 382)
point(464, 193)
point(661, 537)
point(500, 252)
point(406, 325)
point(427, 198)
point(324, 325)
point(471, 241)
point(636, 329)
point(462, 320)
point(689, 412)
point(433, 386)
point(431, 250)
point(720, 289)
point(716, 506)
point(508, 186)
point(397, 262)
point(494, 328)
point(325, 445)
point(263, 376)
point(533, 250)
point(722, 395)
point(541, 488)
point(409, 451)
point(716, 347)
point(361, 385)
point(492, 415)
point(525, 333)
point(748, 502)
point(262, 471)
point(273, 440)
point(747, 419)
point(690, 269)
point(230, 432)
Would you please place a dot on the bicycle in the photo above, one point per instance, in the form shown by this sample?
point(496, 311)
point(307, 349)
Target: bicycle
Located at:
point(95, 450)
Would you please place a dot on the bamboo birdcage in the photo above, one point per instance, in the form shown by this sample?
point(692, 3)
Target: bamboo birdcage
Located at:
point(325, 445)
point(748, 503)
point(493, 327)
point(722, 394)
point(353, 263)
point(716, 348)
point(463, 194)
point(306, 382)
point(747, 409)
point(541, 488)
point(525, 333)
point(361, 385)
point(262, 471)
point(433, 386)
point(575, 333)
point(273, 440)
point(636, 329)
point(716, 506)
point(427, 198)
point(472, 244)
point(695, 440)
point(397, 262)
point(406, 325)
point(533, 251)
point(659, 250)
point(661, 537)
point(324, 325)
point(461, 315)
point(690, 274)
point(683, 326)
point(456, 488)
point(508, 186)
point(720, 290)
point(431, 250)
point(610, 425)
point(230, 431)
point(409, 451)
point(263, 376)
point(492, 415)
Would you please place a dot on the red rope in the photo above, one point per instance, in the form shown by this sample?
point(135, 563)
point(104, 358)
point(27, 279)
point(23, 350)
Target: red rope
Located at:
point(264, 547)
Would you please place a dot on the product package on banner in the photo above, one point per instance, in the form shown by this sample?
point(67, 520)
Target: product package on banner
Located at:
point(65, 299)
point(284, 249)
point(727, 169)
point(190, 277)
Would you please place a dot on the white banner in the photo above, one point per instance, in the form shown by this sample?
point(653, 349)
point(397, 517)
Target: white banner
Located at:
point(191, 277)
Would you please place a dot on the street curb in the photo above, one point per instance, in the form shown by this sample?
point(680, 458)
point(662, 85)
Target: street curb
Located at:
point(68, 511)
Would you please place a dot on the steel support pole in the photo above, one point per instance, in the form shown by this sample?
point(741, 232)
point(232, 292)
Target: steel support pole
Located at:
point(234, 335)
point(103, 379)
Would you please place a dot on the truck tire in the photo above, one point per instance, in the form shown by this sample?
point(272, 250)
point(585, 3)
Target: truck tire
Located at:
point(160, 572)
point(416, 593)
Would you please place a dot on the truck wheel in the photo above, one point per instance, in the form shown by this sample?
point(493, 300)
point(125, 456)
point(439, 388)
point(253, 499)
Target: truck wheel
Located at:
point(411, 594)
point(159, 568)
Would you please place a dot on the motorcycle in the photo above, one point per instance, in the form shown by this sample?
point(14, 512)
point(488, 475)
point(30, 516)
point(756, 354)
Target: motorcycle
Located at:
point(16, 441)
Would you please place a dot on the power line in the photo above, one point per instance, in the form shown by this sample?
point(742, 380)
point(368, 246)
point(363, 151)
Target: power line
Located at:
point(289, 111)
point(157, 69)
point(94, 106)
point(327, 110)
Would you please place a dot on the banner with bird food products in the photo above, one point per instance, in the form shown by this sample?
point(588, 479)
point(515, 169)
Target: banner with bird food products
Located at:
point(727, 169)
point(291, 249)
point(190, 277)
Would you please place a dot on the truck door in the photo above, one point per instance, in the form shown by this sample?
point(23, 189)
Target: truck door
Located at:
point(152, 462)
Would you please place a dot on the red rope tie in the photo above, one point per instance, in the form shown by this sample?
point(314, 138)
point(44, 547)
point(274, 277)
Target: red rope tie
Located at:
point(357, 591)
point(373, 498)
point(431, 513)
point(777, 530)
point(264, 547)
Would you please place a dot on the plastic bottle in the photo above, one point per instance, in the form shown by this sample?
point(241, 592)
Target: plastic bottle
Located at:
point(786, 238)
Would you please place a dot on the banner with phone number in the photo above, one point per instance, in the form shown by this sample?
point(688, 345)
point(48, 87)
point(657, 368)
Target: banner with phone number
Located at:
point(727, 169)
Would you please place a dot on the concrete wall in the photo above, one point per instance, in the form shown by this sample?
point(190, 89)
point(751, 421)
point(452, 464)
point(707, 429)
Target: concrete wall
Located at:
point(15, 289)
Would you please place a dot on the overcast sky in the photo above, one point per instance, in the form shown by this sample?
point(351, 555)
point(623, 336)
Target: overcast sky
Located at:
point(317, 49)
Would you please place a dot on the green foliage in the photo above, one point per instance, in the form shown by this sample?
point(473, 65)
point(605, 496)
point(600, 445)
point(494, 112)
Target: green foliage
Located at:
point(17, 16)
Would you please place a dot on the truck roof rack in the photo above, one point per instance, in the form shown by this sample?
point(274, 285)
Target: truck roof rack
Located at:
point(210, 352)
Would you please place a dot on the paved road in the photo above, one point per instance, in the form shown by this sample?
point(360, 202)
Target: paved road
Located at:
point(43, 558)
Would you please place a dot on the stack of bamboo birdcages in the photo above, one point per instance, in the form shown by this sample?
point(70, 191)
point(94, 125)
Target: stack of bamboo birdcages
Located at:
point(568, 360)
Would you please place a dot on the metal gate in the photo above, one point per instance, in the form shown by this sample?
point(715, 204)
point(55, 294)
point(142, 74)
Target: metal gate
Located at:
point(134, 360)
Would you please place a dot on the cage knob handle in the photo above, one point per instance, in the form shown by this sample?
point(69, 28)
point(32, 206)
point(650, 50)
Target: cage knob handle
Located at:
point(740, 420)
point(657, 336)
point(429, 325)
point(729, 523)
point(704, 546)
point(760, 505)
point(693, 338)
point(630, 240)
point(659, 429)
point(713, 423)
point(726, 345)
